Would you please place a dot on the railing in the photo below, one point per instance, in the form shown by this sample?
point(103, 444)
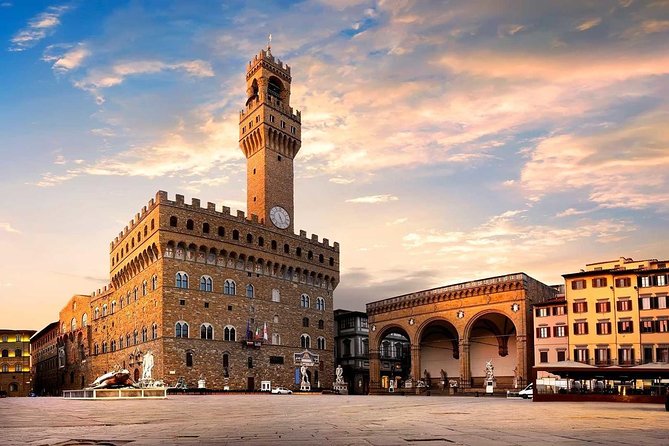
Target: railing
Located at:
point(614, 362)
point(448, 288)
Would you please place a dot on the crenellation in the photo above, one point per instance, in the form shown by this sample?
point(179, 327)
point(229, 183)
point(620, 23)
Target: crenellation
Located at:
point(314, 238)
point(195, 202)
point(254, 218)
point(161, 196)
point(180, 199)
point(211, 206)
point(326, 242)
point(303, 233)
point(240, 214)
point(226, 211)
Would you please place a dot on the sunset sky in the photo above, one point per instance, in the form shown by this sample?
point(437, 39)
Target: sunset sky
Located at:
point(441, 141)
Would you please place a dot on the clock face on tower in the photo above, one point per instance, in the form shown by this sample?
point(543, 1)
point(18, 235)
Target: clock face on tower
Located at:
point(279, 217)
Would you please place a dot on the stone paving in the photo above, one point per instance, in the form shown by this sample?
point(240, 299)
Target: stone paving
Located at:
point(329, 419)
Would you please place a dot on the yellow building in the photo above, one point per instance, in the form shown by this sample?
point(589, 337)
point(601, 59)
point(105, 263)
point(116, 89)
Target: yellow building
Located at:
point(15, 362)
point(618, 312)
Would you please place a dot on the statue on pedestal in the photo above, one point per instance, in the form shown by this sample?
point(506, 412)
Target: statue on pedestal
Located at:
point(340, 375)
point(147, 365)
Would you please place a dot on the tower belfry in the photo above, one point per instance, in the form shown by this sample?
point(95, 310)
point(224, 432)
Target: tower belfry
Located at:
point(269, 136)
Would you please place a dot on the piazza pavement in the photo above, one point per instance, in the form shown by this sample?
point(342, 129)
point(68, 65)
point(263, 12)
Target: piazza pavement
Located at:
point(263, 419)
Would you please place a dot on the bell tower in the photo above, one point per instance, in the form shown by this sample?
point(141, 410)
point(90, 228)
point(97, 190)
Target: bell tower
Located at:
point(269, 136)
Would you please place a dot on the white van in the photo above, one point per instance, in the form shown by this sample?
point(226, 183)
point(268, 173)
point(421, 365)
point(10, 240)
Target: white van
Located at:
point(527, 392)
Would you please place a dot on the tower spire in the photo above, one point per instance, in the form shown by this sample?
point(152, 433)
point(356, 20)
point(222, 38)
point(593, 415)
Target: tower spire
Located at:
point(269, 43)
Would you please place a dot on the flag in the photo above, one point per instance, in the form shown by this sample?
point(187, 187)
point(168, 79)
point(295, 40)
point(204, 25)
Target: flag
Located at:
point(264, 331)
point(249, 333)
point(257, 333)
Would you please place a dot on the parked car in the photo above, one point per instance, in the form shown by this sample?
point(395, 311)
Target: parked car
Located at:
point(281, 391)
point(527, 392)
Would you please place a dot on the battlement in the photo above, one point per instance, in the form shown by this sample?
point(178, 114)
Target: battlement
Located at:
point(296, 115)
point(102, 291)
point(266, 57)
point(225, 212)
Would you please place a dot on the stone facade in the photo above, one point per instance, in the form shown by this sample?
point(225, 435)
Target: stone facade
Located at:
point(44, 356)
point(225, 278)
point(15, 362)
point(454, 330)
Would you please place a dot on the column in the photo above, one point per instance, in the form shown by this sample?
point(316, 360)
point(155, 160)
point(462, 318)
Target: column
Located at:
point(465, 370)
point(416, 371)
point(374, 372)
point(524, 369)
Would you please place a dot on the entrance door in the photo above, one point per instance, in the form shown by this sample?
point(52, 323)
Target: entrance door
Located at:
point(251, 384)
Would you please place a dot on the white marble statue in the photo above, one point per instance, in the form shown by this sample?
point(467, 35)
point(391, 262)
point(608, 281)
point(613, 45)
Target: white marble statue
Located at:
point(489, 371)
point(340, 375)
point(147, 365)
point(305, 378)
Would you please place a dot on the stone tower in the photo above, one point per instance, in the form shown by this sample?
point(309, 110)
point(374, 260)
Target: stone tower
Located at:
point(269, 136)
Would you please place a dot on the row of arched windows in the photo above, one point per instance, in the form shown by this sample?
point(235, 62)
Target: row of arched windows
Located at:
point(131, 296)
point(206, 229)
point(230, 288)
point(250, 264)
point(181, 330)
point(131, 243)
point(18, 353)
point(305, 342)
point(130, 339)
point(18, 368)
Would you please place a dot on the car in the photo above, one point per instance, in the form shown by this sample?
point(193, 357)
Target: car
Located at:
point(527, 392)
point(281, 391)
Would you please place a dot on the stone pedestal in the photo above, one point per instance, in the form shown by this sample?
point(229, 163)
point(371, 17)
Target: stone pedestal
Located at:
point(305, 387)
point(342, 389)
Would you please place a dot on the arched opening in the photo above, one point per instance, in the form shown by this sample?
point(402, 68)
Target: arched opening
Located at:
point(439, 352)
point(395, 357)
point(492, 337)
point(275, 87)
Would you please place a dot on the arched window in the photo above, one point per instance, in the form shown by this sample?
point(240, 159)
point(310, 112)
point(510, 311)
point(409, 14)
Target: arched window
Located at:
point(276, 295)
point(305, 321)
point(5, 368)
point(261, 241)
point(154, 282)
point(274, 245)
point(152, 225)
point(321, 324)
point(128, 299)
point(173, 221)
point(206, 331)
point(127, 340)
point(120, 342)
point(249, 238)
point(310, 255)
point(276, 319)
point(206, 283)
point(5, 353)
point(298, 251)
point(205, 228)
point(321, 343)
point(221, 231)
point(189, 359)
point(134, 337)
point(229, 333)
point(286, 249)
point(145, 288)
point(113, 346)
point(331, 261)
point(320, 304)
point(181, 329)
point(18, 353)
point(250, 291)
point(84, 320)
point(13, 387)
point(276, 339)
point(146, 230)
point(145, 334)
point(321, 259)
point(104, 310)
point(229, 287)
point(182, 280)
point(113, 307)
point(104, 347)
point(135, 294)
point(73, 324)
point(235, 235)
point(304, 301)
point(305, 341)
point(154, 331)
point(190, 225)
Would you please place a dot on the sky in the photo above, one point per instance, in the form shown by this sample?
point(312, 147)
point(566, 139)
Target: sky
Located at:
point(441, 141)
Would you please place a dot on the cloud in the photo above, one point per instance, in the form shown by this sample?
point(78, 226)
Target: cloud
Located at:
point(589, 24)
point(570, 212)
point(68, 60)
point(372, 199)
point(398, 221)
point(341, 180)
point(38, 28)
point(101, 78)
point(4, 226)
point(627, 167)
